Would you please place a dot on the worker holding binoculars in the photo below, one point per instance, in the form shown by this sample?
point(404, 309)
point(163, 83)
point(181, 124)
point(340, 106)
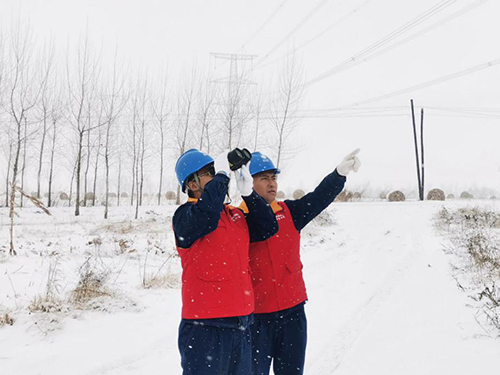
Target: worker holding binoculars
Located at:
point(279, 331)
point(213, 239)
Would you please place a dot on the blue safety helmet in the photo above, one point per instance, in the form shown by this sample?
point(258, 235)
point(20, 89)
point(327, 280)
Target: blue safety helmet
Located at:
point(261, 163)
point(190, 162)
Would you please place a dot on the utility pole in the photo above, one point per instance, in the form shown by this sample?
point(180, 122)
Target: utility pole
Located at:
point(416, 150)
point(420, 162)
point(422, 152)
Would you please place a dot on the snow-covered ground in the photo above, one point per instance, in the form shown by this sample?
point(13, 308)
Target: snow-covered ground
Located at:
point(381, 296)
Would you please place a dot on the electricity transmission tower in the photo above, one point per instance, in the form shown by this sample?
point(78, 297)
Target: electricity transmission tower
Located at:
point(234, 108)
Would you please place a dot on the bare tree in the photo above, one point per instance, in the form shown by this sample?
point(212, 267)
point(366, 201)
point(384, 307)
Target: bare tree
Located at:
point(142, 117)
point(161, 110)
point(286, 103)
point(11, 143)
point(81, 86)
point(24, 87)
point(88, 151)
point(97, 155)
point(257, 118)
point(187, 95)
point(55, 116)
point(46, 97)
point(114, 103)
point(206, 112)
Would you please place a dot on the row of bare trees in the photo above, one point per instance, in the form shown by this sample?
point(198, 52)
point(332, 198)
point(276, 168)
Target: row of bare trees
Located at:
point(79, 119)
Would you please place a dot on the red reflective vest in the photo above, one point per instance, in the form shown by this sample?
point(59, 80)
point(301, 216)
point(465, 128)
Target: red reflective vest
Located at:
point(276, 267)
point(215, 271)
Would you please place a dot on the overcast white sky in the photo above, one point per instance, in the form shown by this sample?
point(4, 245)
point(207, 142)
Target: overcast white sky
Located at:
point(461, 148)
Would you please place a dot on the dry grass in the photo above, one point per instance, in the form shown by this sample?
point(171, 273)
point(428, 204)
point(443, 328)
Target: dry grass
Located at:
point(92, 284)
point(49, 302)
point(45, 304)
point(166, 280)
point(6, 319)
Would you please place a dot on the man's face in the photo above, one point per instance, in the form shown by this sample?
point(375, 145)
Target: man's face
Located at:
point(266, 185)
point(205, 175)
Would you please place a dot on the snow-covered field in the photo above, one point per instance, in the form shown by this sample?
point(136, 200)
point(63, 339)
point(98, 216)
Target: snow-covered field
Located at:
point(381, 296)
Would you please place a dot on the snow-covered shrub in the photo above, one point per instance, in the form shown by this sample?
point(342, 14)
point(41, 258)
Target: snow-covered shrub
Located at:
point(396, 196)
point(466, 195)
point(493, 198)
point(63, 196)
point(435, 195)
point(280, 194)
point(299, 193)
point(324, 219)
point(89, 196)
point(450, 196)
point(112, 195)
point(124, 195)
point(475, 245)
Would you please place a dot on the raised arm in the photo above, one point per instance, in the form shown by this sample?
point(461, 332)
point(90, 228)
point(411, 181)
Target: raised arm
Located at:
point(305, 209)
point(193, 221)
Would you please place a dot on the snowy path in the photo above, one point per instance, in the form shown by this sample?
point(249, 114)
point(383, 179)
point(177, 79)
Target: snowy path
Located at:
point(386, 304)
point(381, 301)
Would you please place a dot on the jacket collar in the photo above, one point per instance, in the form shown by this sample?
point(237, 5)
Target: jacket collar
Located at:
point(274, 205)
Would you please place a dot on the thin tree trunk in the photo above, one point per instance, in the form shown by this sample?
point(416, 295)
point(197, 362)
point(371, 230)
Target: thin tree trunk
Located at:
point(106, 159)
point(51, 173)
point(119, 180)
point(96, 168)
point(42, 145)
point(11, 145)
point(86, 170)
point(24, 157)
point(161, 163)
point(78, 172)
point(12, 202)
point(71, 185)
point(134, 162)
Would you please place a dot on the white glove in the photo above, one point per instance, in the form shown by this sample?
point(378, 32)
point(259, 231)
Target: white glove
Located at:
point(350, 163)
point(221, 164)
point(244, 180)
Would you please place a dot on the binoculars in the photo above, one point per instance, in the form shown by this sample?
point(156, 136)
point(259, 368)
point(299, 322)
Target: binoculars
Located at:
point(238, 157)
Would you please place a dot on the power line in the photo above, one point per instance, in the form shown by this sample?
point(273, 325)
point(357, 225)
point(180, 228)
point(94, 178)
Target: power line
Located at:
point(426, 84)
point(417, 34)
point(321, 33)
point(383, 41)
point(294, 30)
point(264, 24)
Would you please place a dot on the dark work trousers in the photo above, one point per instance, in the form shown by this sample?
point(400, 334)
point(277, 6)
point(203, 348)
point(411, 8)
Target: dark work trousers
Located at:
point(220, 346)
point(280, 337)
